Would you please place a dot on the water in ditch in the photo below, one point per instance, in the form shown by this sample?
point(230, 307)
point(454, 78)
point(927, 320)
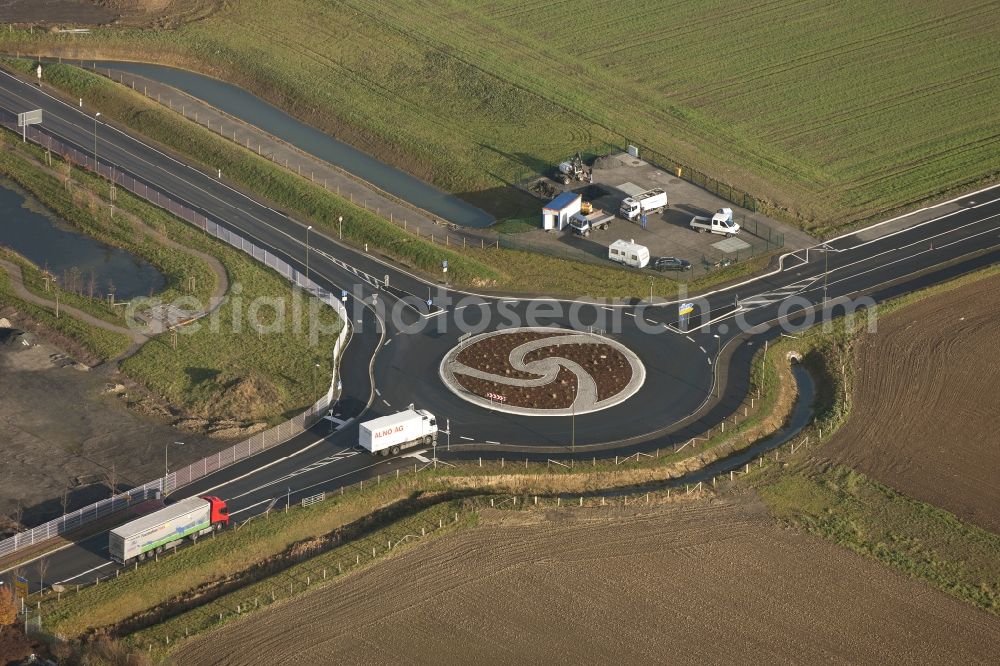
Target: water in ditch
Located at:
point(73, 257)
point(251, 109)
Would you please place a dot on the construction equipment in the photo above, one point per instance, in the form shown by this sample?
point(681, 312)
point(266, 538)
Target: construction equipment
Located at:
point(574, 169)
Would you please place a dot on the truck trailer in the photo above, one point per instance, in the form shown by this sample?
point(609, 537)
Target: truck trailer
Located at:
point(644, 203)
point(393, 433)
point(720, 223)
point(190, 518)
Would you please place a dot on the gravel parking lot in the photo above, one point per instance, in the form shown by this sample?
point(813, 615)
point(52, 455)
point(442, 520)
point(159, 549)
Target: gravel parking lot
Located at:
point(666, 233)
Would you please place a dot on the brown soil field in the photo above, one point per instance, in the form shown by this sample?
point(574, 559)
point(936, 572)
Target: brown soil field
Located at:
point(716, 581)
point(925, 418)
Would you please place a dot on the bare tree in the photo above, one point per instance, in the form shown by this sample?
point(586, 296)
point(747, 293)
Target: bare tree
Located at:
point(18, 515)
point(91, 285)
point(64, 500)
point(43, 569)
point(111, 480)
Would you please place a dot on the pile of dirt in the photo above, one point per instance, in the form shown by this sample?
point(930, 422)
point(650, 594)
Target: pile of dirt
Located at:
point(608, 162)
point(924, 417)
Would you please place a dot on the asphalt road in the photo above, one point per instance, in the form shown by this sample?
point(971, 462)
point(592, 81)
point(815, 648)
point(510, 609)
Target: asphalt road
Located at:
point(398, 342)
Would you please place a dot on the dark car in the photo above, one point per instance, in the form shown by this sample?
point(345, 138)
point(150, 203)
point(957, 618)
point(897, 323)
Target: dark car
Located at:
point(670, 264)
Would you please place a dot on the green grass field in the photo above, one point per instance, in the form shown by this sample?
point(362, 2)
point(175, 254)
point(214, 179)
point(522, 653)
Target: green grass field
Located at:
point(834, 111)
point(218, 370)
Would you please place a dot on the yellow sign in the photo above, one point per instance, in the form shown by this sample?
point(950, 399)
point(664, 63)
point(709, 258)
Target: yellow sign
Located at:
point(21, 587)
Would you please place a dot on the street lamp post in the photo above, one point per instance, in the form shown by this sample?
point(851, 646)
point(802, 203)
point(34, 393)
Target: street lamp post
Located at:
point(308, 229)
point(166, 449)
point(715, 374)
point(340, 223)
point(96, 116)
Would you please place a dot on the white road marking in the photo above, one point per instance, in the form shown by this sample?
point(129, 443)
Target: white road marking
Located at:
point(489, 442)
point(630, 314)
point(270, 464)
point(386, 402)
point(329, 460)
point(702, 349)
point(386, 343)
point(251, 506)
point(690, 339)
point(99, 566)
point(468, 439)
point(377, 392)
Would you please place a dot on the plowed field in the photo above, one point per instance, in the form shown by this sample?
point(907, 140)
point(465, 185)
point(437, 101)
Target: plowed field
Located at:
point(716, 583)
point(925, 416)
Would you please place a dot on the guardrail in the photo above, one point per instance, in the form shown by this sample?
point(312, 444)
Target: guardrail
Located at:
point(255, 444)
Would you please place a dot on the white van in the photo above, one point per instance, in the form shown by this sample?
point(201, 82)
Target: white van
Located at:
point(629, 253)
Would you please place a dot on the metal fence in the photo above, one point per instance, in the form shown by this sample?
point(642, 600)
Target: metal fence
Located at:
point(259, 442)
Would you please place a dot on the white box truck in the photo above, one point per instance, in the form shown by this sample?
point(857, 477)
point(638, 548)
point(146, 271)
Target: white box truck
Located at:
point(720, 223)
point(393, 433)
point(629, 253)
point(644, 203)
point(189, 518)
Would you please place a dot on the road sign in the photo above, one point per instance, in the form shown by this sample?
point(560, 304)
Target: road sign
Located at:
point(21, 587)
point(444, 266)
point(429, 303)
point(343, 295)
point(29, 118)
point(685, 309)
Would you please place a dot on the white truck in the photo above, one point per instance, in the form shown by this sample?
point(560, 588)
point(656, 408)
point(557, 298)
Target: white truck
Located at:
point(391, 434)
point(583, 224)
point(151, 534)
point(720, 223)
point(644, 203)
point(629, 253)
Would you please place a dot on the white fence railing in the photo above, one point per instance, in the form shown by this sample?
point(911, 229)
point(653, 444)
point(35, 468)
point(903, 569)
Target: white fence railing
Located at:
point(255, 444)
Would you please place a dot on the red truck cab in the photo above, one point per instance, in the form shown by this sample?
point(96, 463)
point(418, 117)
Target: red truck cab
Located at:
point(220, 512)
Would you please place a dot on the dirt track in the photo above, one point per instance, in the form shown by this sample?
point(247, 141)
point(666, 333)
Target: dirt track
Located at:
point(696, 582)
point(925, 413)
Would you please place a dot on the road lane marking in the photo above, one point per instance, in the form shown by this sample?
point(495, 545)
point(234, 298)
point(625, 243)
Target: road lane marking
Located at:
point(468, 439)
point(84, 573)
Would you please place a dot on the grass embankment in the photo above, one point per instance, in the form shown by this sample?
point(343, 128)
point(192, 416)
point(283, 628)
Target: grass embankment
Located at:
point(72, 196)
point(222, 367)
point(103, 344)
point(857, 512)
point(472, 97)
point(491, 269)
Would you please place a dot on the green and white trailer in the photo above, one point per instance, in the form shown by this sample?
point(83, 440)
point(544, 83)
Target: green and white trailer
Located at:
point(188, 518)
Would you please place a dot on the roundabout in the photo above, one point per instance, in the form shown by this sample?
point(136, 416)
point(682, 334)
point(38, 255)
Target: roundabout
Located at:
point(542, 371)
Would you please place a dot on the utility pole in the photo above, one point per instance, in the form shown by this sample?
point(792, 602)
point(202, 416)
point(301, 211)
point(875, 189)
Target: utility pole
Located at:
point(340, 222)
point(826, 268)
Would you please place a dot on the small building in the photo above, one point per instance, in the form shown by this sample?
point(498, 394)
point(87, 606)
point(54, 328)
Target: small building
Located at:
point(557, 214)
